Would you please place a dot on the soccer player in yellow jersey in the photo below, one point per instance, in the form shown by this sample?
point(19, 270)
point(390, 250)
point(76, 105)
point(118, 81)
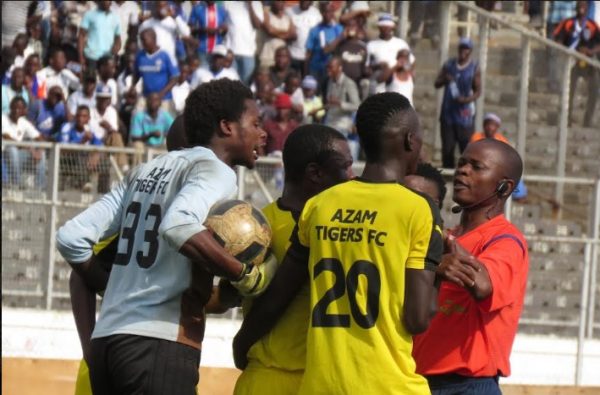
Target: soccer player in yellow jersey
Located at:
point(368, 249)
point(315, 157)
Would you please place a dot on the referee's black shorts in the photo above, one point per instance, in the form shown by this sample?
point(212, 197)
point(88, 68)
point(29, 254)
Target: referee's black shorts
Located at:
point(130, 364)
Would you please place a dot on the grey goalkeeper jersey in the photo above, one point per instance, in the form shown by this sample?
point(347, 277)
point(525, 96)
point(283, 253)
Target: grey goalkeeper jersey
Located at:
point(155, 209)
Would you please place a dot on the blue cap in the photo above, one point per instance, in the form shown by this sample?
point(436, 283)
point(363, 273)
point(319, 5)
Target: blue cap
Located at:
point(103, 90)
point(386, 19)
point(309, 82)
point(465, 42)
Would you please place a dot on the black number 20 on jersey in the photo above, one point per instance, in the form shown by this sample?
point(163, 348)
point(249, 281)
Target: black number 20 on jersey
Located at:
point(150, 235)
point(347, 282)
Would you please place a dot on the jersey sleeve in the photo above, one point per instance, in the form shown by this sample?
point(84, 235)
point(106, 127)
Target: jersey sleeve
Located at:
point(85, 23)
point(76, 238)
point(506, 262)
point(426, 241)
point(207, 182)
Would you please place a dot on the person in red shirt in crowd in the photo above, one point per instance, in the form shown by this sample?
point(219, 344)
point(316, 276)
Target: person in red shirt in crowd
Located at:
point(491, 129)
point(483, 275)
point(279, 128)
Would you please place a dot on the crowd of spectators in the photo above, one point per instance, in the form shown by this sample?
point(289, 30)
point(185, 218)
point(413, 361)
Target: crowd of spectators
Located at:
point(117, 73)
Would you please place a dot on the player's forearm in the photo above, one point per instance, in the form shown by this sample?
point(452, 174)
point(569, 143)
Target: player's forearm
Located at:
point(83, 305)
point(92, 273)
point(203, 249)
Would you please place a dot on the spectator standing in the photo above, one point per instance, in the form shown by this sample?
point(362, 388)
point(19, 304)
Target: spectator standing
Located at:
point(279, 29)
point(558, 11)
point(313, 104)
point(31, 68)
point(358, 11)
point(86, 96)
point(14, 19)
point(125, 78)
point(282, 66)
point(304, 17)
point(245, 17)
point(107, 69)
point(399, 78)
point(582, 35)
point(341, 101)
point(167, 28)
point(424, 22)
point(461, 79)
point(16, 127)
point(56, 74)
point(209, 23)
point(156, 68)
point(16, 88)
point(149, 128)
point(382, 52)
point(128, 12)
point(99, 35)
point(216, 69)
point(48, 115)
point(19, 45)
point(280, 127)
point(321, 43)
point(483, 276)
point(182, 89)
point(353, 52)
point(34, 44)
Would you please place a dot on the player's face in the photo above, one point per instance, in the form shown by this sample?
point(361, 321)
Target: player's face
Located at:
point(477, 174)
point(423, 185)
point(250, 136)
point(338, 166)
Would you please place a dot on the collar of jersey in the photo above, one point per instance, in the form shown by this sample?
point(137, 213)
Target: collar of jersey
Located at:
point(361, 179)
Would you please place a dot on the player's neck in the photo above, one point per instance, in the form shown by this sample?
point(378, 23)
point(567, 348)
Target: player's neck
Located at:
point(384, 172)
point(293, 196)
point(221, 152)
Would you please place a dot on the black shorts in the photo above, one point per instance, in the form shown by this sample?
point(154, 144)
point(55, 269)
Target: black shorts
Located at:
point(130, 364)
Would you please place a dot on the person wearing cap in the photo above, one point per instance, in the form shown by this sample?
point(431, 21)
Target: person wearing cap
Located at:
point(304, 17)
point(216, 69)
point(48, 115)
point(279, 128)
point(322, 42)
point(382, 52)
point(104, 123)
point(341, 102)
point(358, 11)
point(461, 79)
point(156, 68)
point(313, 104)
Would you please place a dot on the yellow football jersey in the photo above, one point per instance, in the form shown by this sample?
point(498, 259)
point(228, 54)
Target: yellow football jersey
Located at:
point(362, 236)
point(280, 355)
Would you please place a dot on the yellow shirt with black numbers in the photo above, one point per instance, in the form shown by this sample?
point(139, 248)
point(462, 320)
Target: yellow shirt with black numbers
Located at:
point(276, 362)
point(362, 237)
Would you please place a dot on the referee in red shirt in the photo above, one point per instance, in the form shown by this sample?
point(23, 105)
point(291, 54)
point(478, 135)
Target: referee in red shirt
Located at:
point(483, 277)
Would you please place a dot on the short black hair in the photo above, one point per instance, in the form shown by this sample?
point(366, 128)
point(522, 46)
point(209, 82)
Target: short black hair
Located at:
point(104, 60)
point(82, 107)
point(306, 144)
point(54, 51)
point(428, 172)
point(373, 117)
point(211, 102)
point(176, 138)
point(17, 99)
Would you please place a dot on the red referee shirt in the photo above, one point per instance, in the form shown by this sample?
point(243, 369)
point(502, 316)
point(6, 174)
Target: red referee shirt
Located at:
point(475, 338)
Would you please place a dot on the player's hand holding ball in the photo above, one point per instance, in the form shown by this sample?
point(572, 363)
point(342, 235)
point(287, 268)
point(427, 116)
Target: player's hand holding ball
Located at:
point(256, 278)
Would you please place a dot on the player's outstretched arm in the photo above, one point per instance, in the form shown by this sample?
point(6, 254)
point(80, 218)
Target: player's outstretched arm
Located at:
point(267, 308)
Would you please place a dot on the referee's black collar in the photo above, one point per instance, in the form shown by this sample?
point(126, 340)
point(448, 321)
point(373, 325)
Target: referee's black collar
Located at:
point(361, 179)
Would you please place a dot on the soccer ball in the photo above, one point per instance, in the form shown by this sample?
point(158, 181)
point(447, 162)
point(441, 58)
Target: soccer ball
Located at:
point(241, 229)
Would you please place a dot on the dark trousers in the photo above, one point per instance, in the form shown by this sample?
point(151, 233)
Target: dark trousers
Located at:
point(129, 364)
point(590, 79)
point(454, 384)
point(451, 135)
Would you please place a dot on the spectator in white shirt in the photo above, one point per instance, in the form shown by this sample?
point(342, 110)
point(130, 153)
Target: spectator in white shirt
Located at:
point(107, 68)
point(383, 51)
point(216, 68)
point(304, 17)
point(56, 73)
point(86, 96)
point(182, 89)
point(128, 12)
point(167, 28)
point(245, 17)
point(16, 127)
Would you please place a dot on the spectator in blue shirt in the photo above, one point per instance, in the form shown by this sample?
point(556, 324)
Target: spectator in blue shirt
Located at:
point(78, 131)
point(48, 115)
point(99, 35)
point(157, 70)
point(150, 127)
point(322, 41)
point(208, 22)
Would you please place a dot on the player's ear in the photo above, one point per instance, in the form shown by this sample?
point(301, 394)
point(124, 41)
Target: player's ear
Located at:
point(313, 172)
point(225, 127)
point(408, 141)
